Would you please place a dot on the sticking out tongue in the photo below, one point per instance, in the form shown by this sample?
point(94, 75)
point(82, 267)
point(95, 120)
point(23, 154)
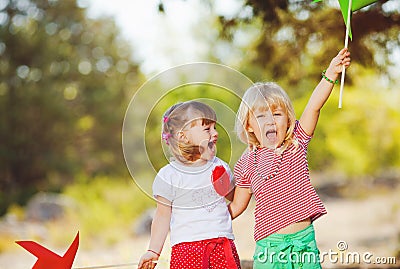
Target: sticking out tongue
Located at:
point(271, 135)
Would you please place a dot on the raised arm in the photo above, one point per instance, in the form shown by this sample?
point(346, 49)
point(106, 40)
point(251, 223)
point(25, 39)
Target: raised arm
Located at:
point(159, 232)
point(321, 93)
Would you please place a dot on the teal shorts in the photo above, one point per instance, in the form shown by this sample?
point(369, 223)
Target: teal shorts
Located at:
point(288, 251)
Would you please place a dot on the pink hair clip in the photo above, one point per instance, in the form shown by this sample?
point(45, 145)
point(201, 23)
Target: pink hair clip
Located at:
point(166, 137)
point(165, 119)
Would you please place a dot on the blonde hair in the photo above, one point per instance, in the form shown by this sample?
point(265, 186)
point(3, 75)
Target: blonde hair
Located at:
point(264, 96)
point(179, 116)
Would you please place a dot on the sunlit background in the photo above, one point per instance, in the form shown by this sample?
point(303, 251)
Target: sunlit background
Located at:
point(69, 68)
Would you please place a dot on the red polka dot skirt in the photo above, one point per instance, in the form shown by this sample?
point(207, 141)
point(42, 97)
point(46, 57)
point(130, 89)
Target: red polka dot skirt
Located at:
point(216, 253)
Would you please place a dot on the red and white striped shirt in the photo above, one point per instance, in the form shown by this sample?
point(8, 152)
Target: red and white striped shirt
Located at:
point(286, 198)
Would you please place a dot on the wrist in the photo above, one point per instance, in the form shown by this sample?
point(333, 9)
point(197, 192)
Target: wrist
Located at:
point(331, 73)
point(330, 77)
point(154, 252)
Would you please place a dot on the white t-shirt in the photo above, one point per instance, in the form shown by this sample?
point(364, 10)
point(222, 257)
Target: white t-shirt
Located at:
point(198, 211)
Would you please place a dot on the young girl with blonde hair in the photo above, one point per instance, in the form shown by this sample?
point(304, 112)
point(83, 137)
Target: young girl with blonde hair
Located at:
point(275, 171)
point(190, 193)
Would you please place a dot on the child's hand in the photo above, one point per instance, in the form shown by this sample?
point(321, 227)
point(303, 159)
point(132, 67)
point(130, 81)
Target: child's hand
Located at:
point(337, 63)
point(148, 260)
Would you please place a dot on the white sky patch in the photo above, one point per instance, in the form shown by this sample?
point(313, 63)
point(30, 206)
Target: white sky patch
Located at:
point(159, 40)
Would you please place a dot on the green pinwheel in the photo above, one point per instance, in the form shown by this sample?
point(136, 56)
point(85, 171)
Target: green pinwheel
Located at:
point(347, 12)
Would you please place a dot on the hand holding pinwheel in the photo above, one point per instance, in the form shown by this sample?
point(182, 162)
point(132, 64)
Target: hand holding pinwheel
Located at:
point(342, 60)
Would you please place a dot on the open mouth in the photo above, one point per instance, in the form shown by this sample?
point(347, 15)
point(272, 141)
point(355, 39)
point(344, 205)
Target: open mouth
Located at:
point(211, 144)
point(271, 134)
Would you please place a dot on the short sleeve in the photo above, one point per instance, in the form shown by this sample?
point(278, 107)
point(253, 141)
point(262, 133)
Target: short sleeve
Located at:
point(301, 135)
point(162, 186)
point(238, 172)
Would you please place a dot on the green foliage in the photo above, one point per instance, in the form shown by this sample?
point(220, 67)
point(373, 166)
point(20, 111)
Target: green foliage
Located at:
point(361, 138)
point(106, 207)
point(64, 81)
point(294, 33)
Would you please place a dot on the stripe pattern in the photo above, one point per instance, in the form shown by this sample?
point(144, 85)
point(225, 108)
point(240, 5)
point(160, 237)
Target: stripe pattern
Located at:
point(286, 198)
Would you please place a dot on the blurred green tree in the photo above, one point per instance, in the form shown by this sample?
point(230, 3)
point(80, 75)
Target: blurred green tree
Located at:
point(64, 85)
point(296, 38)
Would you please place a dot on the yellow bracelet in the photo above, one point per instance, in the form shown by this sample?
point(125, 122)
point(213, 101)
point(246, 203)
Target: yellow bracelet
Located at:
point(328, 79)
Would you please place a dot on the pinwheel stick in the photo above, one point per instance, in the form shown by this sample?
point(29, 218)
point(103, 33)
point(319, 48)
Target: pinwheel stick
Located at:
point(110, 265)
point(346, 45)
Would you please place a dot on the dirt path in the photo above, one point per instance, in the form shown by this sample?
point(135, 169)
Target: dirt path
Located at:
point(368, 225)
